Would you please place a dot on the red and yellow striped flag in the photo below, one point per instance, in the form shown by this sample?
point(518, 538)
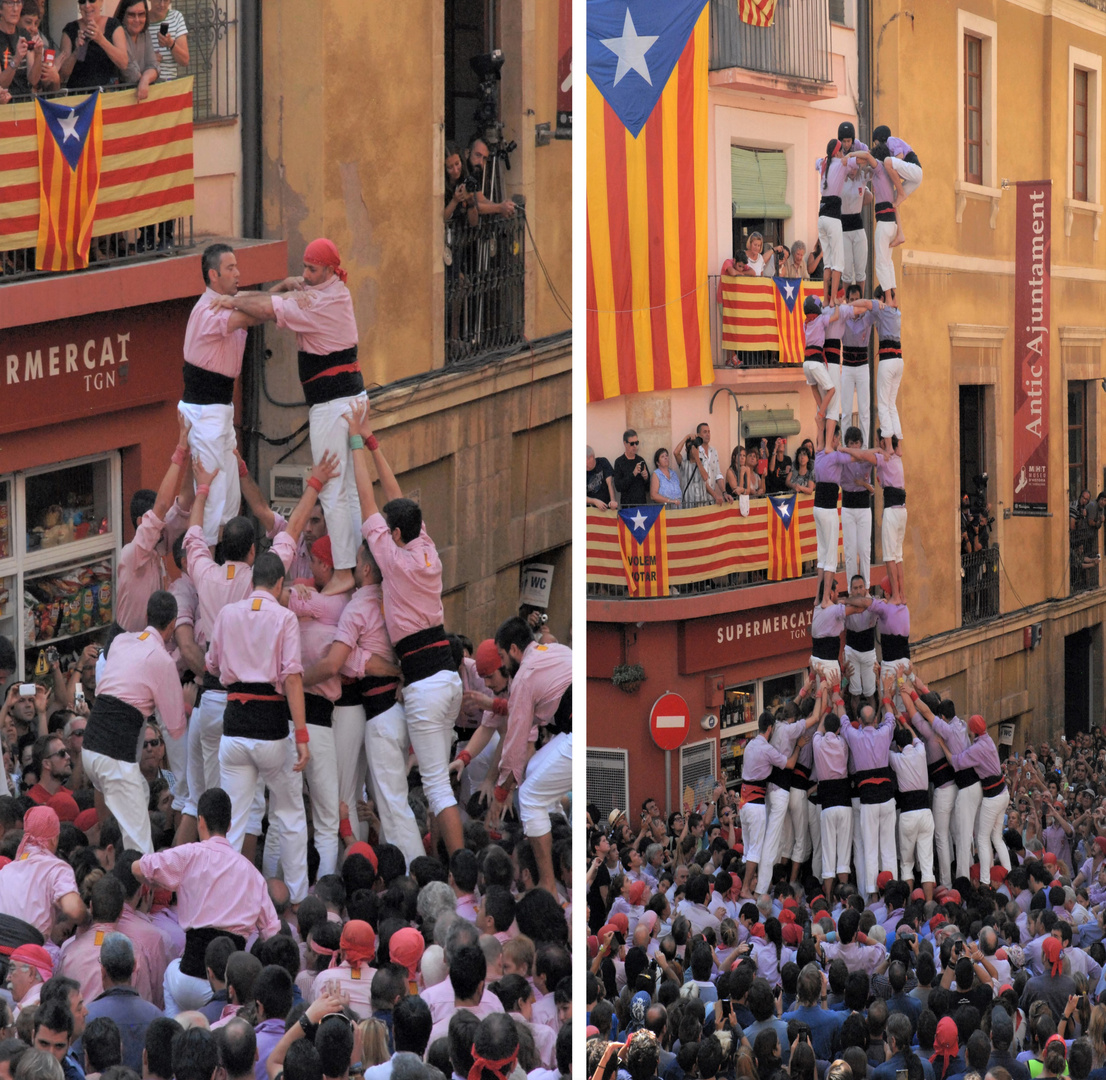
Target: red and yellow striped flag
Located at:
point(756, 316)
point(783, 538)
point(757, 12)
point(647, 289)
point(643, 544)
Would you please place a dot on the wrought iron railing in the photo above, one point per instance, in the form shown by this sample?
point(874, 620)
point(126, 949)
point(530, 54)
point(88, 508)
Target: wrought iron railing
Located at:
point(1083, 558)
point(485, 286)
point(796, 45)
point(213, 57)
point(979, 593)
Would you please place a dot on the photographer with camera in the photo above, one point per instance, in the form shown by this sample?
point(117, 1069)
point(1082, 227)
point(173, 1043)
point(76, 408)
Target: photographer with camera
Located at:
point(93, 50)
point(460, 188)
point(22, 52)
point(477, 155)
point(704, 481)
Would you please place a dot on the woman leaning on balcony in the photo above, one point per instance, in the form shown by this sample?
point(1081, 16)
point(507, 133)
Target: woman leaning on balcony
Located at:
point(664, 485)
point(93, 49)
point(142, 59)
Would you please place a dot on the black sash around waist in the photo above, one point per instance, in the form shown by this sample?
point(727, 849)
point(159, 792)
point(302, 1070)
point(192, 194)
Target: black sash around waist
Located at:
point(562, 718)
point(889, 348)
point(861, 640)
point(830, 206)
point(825, 495)
point(196, 942)
point(424, 653)
point(752, 791)
point(851, 222)
point(885, 211)
point(351, 694)
point(895, 647)
point(894, 496)
point(377, 693)
point(825, 648)
point(814, 354)
point(912, 159)
point(317, 710)
point(854, 355)
point(800, 777)
point(256, 711)
point(114, 728)
point(330, 376)
point(917, 799)
point(965, 778)
point(940, 772)
point(874, 785)
point(837, 791)
point(992, 786)
point(781, 778)
point(855, 500)
point(203, 387)
point(833, 350)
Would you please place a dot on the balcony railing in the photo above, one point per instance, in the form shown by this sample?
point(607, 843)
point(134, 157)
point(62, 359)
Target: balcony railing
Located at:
point(796, 45)
point(730, 358)
point(1083, 558)
point(485, 287)
point(213, 57)
point(979, 593)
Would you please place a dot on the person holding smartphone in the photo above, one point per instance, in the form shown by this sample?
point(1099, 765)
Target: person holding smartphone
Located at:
point(168, 34)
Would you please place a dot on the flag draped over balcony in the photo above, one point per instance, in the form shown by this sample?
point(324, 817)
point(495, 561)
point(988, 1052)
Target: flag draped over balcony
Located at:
point(757, 12)
point(647, 291)
point(766, 315)
point(69, 146)
point(643, 542)
point(783, 538)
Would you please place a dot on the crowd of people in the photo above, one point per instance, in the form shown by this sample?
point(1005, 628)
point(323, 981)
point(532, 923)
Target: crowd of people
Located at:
point(245, 811)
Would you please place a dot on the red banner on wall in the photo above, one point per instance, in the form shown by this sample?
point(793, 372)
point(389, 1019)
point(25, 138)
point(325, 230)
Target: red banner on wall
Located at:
point(1032, 270)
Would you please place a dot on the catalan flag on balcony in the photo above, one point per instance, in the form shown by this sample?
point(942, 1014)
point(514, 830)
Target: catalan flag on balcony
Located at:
point(647, 290)
point(766, 315)
point(69, 146)
point(644, 547)
point(783, 538)
point(757, 12)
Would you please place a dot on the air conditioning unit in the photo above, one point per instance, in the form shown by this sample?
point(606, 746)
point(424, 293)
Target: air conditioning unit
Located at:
point(287, 484)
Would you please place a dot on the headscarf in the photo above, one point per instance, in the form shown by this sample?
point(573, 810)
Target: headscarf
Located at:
point(501, 1069)
point(488, 660)
point(40, 826)
point(977, 725)
point(322, 252)
point(358, 942)
point(406, 947)
point(1050, 952)
point(322, 551)
point(638, 1004)
point(35, 956)
point(945, 1044)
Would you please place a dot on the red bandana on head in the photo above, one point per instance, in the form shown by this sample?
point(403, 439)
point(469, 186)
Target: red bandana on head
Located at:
point(322, 252)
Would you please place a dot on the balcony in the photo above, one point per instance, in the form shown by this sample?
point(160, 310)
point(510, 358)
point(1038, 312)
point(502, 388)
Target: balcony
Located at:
point(795, 47)
point(1083, 557)
point(979, 593)
point(743, 359)
point(485, 287)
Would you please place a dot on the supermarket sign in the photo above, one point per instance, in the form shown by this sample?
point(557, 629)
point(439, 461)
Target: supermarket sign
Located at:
point(77, 368)
point(720, 641)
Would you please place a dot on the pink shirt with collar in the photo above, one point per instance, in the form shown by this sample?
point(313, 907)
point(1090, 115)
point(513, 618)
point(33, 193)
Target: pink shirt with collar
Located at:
point(255, 640)
point(544, 674)
point(321, 316)
point(140, 672)
point(151, 943)
point(80, 960)
point(300, 567)
point(31, 886)
point(356, 982)
point(412, 579)
point(315, 640)
point(141, 566)
point(207, 344)
point(361, 628)
point(319, 606)
point(215, 886)
point(440, 999)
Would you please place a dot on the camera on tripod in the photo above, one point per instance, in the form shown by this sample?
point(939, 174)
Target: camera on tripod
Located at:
point(978, 499)
point(487, 67)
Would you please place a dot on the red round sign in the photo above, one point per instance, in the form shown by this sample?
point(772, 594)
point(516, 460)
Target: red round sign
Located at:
point(669, 721)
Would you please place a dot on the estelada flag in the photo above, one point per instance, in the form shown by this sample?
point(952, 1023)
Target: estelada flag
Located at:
point(70, 143)
point(643, 543)
point(647, 275)
point(789, 319)
point(757, 12)
point(783, 538)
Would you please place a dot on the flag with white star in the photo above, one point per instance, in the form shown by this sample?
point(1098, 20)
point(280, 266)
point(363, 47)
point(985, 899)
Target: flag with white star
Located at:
point(70, 144)
point(783, 538)
point(643, 542)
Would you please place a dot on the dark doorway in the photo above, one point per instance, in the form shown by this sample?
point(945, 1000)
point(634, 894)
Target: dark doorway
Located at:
point(467, 34)
point(1077, 682)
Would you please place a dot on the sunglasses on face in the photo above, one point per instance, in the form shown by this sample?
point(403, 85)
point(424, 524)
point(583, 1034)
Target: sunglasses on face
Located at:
point(634, 443)
point(149, 744)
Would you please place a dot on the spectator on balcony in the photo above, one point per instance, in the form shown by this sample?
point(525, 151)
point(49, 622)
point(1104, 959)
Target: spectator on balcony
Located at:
point(1077, 511)
point(93, 49)
point(760, 264)
point(477, 161)
point(737, 479)
point(702, 474)
point(801, 479)
point(600, 482)
point(793, 264)
point(22, 61)
point(172, 45)
point(814, 262)
point(31, 22)
point(664, 487)
point(460, 203)
point(142, 66)
point(779, 469)
point(631, 474)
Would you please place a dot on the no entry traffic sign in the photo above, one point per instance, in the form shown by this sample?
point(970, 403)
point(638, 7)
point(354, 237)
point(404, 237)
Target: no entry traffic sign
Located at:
point(669, 721)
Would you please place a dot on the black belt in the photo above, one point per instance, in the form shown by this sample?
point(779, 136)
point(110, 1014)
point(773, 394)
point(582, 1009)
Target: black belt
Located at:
point(833, 350)
point(940, 772)
point(851, 223)
point(330, 376)
point(562, 718)
point(781, 778)
point(350, 695)
point(836, 791)
point(800, 777)
point(860, 640)
point(889, 349)
point(377, 693)
point(424, 653)
point(912, 159)
point(196, 941)
point(203, 387)
point(854, 355)
point(893, 496)
point(317, 710)
point(912, 800)
point(885, 211)
point(830, 206)
point(114, 728)
point(256, 711)
point(965, 778)
point(992, 786)
point(874, 785)
point(815, 354)
point(895, 647)
point(825, 648)
point(855, 500)
point(825, 495)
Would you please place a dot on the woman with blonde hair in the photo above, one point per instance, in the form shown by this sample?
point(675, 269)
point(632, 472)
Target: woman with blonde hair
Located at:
point(374, 1042)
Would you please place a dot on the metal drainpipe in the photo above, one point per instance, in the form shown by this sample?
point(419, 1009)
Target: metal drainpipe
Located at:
point(252, 215)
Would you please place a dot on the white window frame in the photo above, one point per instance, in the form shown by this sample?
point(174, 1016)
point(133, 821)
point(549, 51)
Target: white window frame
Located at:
point(685, 750)
point(1092, 64)
point(970, 24)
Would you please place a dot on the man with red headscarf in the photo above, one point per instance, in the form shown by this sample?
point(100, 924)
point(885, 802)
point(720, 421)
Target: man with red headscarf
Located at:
point(37, 884)
point(351, 970)
point(1056, 984)
point(318, 308)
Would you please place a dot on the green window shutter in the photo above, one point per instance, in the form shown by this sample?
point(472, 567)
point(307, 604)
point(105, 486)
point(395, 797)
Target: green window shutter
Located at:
point(759, 183)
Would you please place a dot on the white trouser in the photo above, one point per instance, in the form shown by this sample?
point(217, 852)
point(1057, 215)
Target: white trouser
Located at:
point(943, 800)
point(988, 834)
point(909, 173)
point(431, 705)
point(877, 824)
point(827, 525)
point(892, 532)
point(205, 729)
point(916, 843)
point(321, 774)
point(888, 377)
point(348, 725)
point(885, 265)
point(833, 247)
point(752, 830)
point(339, 497)
point(857, 380)
point(176, 750)
point(834, 410)
point(817, 374)
point(837, 839)
point(830, 670)
point(963, 825)
point(212, 439)
point(548, 778)
point(777, 801)
point(814, 831)
point(863, 677)
point(126, 795)
point(242, 762)
point(184, 993)
point(386, 740)
point(856, 532)
point(855, 244)
point(797, 806)
point(859, 860)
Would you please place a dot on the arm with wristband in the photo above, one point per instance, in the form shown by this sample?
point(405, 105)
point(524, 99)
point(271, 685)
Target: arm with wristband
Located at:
point(324, 470)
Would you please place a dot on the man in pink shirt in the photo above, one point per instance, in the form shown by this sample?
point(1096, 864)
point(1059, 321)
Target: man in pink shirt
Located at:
point(541, 693)
point(353, 974)
point(318, 308)
point(138, 678)
point(218, 892)
point(214, 342)
point(413, 615)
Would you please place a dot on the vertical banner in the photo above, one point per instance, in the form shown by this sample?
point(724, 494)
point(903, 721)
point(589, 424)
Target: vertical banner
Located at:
point(564, 72)
point(1032, 269)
